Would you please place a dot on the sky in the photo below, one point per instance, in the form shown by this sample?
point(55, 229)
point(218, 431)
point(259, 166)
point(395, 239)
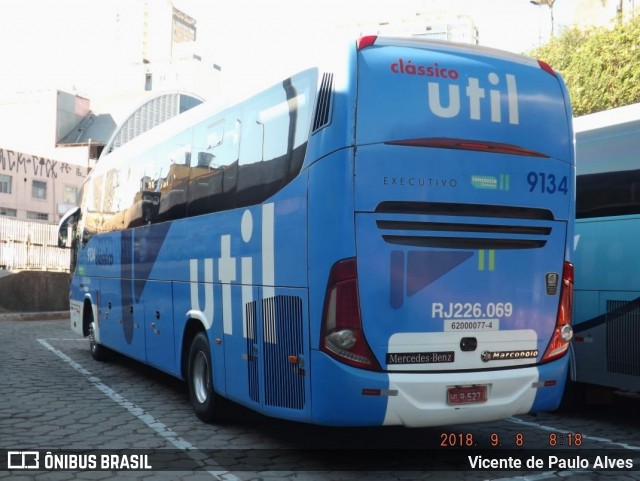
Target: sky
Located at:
point(256, 42)
point(266, 40)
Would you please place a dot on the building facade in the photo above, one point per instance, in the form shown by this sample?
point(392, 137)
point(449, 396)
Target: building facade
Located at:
point(51, 135)
point(145, 48)
point(36, 188)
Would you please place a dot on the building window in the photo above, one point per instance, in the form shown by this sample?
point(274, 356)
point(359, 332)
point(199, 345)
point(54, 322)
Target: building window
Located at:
point(70, 195)
point(37, 216)
point(39, 189)
point(8, 212)
point(5, 184)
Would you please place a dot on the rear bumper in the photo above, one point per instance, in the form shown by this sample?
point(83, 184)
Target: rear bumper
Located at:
point(342, 395)
point(422, 398)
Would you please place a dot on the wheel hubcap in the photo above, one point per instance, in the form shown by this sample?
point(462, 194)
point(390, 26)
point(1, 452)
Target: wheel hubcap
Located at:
point(92, 337)
point(201, 377)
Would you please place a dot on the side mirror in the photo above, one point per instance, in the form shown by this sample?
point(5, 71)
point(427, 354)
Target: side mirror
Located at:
point(66, 228)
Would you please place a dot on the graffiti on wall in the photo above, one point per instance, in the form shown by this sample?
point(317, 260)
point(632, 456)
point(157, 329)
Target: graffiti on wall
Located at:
point(37, 166)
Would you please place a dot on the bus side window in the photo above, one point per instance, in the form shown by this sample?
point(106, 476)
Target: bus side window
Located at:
point(173, 183)
point(112, 211)
point(264, 160)
point(275, 131)
point(214, 166)
point(95, 219)
point(91, 213)
point(608, 193)
point(141, 201)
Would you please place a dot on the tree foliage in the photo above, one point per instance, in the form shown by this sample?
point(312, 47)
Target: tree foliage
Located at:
point(600, 65)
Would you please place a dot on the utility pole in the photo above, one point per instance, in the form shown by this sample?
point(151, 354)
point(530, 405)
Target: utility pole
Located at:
point(548, 3)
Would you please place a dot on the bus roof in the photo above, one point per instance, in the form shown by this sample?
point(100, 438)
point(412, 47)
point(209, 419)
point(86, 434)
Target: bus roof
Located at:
point(607, 118)
point(455, 47)
point(607, 141)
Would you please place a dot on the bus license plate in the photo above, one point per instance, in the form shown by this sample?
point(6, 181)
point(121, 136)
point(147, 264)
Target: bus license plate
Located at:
point(467, 395)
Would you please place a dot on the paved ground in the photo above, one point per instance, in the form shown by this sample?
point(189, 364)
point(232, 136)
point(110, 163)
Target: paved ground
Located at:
point(53, 396)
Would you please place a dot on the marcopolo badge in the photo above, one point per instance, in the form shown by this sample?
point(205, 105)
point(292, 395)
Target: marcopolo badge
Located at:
point(551, 279)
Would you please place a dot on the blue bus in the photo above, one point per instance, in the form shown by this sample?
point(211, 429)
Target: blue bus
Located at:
point(605, 349)
point(385, 242)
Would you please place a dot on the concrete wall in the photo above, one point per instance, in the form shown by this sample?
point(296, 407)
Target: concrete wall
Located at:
point(30, 291)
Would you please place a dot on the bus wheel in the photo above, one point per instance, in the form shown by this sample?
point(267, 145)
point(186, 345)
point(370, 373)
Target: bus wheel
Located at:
point(98, 352)
point(200, 380)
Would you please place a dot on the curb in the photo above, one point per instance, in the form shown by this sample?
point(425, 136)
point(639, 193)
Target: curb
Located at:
point(34, 316)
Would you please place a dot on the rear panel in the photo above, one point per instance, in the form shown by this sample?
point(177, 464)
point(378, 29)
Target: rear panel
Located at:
point(458, 258)
point(459, 251)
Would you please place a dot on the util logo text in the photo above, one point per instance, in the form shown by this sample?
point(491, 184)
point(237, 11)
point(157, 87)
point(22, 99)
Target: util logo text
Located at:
point(475, 94)
point(226, 268)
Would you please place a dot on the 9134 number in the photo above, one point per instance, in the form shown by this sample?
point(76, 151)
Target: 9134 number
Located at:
point(547, 183)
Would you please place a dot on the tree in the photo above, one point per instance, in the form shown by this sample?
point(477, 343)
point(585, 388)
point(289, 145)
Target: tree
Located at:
point(599, 65)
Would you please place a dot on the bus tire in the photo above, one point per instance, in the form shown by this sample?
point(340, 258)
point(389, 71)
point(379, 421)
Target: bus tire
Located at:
point(203, 397)
point(98, 352)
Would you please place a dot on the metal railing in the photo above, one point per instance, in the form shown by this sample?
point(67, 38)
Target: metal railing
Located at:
point(31, 246)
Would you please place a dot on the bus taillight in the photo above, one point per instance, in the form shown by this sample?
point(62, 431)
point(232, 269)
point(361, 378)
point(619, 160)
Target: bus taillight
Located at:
point(366, 41)
point(465, 144)
point(547, 68)
point(563, 331)
point(342, 334)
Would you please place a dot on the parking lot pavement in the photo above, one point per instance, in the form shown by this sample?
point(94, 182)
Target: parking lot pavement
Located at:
point(49, 405)
point(53, 396)
point(34, 316)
